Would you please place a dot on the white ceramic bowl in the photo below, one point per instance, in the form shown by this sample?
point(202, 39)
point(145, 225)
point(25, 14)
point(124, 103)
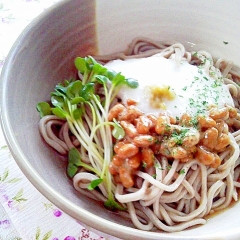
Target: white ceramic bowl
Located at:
point(43, 56)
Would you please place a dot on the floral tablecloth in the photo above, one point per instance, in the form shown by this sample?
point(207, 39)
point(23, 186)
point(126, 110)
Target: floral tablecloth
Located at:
point(25, 213)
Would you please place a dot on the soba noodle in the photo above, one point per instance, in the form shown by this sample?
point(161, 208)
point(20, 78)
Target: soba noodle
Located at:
point(182, 193)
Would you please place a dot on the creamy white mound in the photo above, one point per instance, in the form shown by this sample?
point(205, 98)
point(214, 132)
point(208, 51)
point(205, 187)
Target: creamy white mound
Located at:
point(168, 86)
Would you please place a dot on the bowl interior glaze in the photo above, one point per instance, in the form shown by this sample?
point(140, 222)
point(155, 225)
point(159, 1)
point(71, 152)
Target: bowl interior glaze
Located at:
point(43, 56)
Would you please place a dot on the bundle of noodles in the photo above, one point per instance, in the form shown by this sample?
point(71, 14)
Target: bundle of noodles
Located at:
point(168, 171)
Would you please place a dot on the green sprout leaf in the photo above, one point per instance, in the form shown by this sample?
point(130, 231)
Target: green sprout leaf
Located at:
point(74, 162)
point(99, 69)
point(77, 100)
point(132, 83)
point(74, 88)
point(117, 132)
point(90, 62)
point(77, 113)
point(101, 79)
point(113, 205)
point(59, 112)
point(71, 170)
point(80, 64)
point(119, 79)
point(44, 109)
point(74, 157)
point(110, 74)
point(57, 101)
point(61, 90)
point(93, 184)
point(87, 91)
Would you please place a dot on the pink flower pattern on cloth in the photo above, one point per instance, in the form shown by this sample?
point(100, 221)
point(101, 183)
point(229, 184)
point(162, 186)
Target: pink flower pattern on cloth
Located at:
point(25, 214)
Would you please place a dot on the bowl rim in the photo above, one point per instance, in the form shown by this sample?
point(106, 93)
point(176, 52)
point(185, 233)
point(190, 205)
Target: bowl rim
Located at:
point(42, 186)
